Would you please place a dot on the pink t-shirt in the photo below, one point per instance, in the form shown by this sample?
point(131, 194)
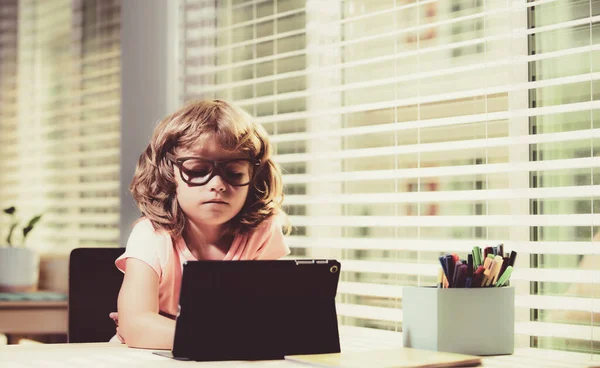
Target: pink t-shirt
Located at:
point(156, 249)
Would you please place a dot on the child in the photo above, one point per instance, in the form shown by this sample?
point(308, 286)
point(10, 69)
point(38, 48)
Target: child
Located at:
point(207, 188)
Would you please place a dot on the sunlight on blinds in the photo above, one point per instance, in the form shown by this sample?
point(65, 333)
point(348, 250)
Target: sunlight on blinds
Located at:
point(410, 129)
point(62, 157)
point(8, 99)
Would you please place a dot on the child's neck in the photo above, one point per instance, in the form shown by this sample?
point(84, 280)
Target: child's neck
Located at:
point(206, 242)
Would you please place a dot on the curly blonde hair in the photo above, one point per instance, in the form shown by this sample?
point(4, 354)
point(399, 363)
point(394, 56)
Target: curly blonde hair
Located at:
point(154, 186)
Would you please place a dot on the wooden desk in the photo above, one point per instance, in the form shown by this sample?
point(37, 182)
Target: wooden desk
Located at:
point(352, 339)
point(33, 317)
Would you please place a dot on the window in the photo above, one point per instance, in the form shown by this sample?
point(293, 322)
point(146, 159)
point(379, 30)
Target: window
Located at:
point(61, 123)
point(8, 100)
point(409, 129)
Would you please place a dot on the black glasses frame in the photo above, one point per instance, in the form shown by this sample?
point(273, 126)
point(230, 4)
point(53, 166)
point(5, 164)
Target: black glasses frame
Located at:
point(217, 165)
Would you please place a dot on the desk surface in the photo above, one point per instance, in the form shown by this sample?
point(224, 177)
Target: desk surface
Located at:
point(352, 339)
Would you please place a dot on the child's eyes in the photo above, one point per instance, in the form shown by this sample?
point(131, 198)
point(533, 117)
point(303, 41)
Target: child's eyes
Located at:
point(197, 173)
point(237, 168)
point(200, 173)
point(197, 168)
point(234, 174)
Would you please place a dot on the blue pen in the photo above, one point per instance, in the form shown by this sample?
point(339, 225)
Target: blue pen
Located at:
point(444, 266)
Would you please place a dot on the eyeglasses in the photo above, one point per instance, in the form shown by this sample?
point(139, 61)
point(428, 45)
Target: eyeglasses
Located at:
point(196, 171)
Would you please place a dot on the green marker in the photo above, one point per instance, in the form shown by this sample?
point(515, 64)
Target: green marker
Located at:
point(476, 257)
point(505, 276)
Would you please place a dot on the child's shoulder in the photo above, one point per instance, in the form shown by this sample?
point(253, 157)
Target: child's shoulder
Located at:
point(270, 224)
point(143, 223)
point(143, 228)
point(267, 239)
point(151, 246)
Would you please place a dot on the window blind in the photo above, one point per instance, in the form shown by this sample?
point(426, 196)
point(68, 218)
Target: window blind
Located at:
point(8, 96)
point(409, 129)
point(61, 150)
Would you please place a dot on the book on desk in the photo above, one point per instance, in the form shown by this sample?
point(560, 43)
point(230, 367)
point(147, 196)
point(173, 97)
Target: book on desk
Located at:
point(37, 296)
point(389, 358)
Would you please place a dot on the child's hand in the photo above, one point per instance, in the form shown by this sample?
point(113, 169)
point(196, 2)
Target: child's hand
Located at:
point(115, 317)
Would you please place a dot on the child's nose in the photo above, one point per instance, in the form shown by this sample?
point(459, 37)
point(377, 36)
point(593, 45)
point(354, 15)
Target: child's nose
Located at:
point(217, 184)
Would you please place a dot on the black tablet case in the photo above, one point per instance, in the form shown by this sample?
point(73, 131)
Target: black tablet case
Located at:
point(257, 310)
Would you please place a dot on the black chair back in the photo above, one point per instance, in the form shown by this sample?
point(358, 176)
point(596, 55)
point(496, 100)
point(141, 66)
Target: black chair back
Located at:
point(94, 284)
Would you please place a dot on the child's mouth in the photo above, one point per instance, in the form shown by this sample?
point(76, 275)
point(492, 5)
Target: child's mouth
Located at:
point(215, 202)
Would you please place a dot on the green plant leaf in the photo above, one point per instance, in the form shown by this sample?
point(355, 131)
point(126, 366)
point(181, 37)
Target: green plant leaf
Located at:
point(34, 220)
point(10, 210)
point(10, 233)
point(27, 229)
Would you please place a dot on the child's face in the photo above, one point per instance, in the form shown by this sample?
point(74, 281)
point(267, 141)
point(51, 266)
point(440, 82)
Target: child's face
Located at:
point(216, 202)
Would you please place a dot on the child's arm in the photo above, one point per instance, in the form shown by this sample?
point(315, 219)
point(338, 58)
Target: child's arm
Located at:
point(139, 322)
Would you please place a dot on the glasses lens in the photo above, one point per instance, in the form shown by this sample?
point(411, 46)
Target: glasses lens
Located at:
point(196, 171)
point(237, 172)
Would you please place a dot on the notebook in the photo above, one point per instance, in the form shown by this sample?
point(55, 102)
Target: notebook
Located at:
point(389, 358)
point(256, 310)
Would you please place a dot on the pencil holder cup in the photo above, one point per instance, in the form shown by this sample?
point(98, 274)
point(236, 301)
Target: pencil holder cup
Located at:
point(478, 321)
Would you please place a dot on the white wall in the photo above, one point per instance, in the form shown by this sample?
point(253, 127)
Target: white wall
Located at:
point(148, 82)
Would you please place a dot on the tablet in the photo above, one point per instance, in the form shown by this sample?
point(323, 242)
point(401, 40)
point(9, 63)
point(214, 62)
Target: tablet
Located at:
point(256, 310)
